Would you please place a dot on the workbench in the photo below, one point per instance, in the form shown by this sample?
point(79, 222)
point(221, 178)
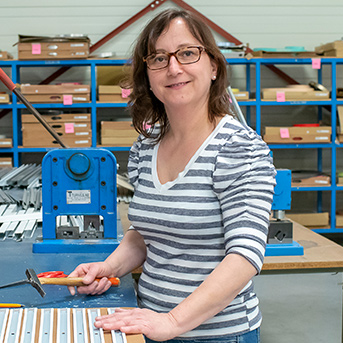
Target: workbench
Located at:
point(16, 257)
point(301, 296)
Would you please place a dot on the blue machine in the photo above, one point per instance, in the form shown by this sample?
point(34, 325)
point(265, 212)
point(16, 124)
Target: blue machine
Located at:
point(79, 182)
point(280, 236)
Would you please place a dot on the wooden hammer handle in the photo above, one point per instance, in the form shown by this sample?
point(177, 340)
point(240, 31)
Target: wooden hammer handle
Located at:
point(72, 281)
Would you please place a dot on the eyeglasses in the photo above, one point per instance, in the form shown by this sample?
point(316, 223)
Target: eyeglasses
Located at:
point(187, 55)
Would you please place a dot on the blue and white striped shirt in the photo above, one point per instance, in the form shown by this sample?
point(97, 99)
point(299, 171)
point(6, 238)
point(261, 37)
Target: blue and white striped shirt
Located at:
point(219, 204)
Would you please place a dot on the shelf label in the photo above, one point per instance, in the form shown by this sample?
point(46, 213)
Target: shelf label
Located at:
point(280, 97)
point(69, 128)
point(125, 93)
point(36, 49)
point(284, 133)
point(67, 99)
point(316, 63)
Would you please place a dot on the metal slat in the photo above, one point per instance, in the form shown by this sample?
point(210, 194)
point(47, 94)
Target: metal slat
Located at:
point(117, 336)
point(4, 312)
point(80, 325)
point(46, 325)
point(63, 326)
point(96, 335)
point(22, 225)
point(13, 326)
point(28, 330)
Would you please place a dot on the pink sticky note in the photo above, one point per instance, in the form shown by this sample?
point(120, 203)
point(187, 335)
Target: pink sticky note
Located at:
point(280, 96)
point(125, 93)
point(69, 128)
point(316, 63)
point(67, 99)
point(36, 49)
point(284, 133)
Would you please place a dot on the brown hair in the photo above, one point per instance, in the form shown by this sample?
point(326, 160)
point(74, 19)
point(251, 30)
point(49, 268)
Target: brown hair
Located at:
point(143, 105)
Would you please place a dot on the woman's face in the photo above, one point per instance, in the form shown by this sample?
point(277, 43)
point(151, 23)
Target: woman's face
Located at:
point(181, 85)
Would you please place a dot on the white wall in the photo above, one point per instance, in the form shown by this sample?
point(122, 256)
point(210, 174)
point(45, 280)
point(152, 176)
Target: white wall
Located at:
point(263, 23)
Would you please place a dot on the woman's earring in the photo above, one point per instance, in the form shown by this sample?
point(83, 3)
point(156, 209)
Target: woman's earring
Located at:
point(214, 77)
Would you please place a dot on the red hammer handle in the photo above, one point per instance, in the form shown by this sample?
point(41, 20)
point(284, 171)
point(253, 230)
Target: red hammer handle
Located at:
point(6, 80)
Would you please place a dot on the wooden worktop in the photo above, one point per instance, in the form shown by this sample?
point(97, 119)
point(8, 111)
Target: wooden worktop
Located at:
point(319, 252)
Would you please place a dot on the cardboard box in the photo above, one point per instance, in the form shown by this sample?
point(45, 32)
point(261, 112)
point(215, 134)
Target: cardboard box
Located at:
point(50, 142)
point(4, 55)
point(111, 93)
point(297, 135)
point(241, 95)
point(340, 138)
point(310, 219)
point(6, 143)
point(4, 98)
point(59, 47)
point(282, 54)
point(301, 92)
point(336, 45)
point(6, 162)
point(119, 133)
point(73, 134)
point(57, 98)
point(63, 88)
point(56, 93)
point(52, 55)
point(339, 220)
point(340, 120)
point(62, 128)
point(315, 181)
point(58, 118)
point(334, 53)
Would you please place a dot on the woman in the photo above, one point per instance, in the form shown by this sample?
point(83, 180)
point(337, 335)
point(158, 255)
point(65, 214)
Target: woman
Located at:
point(203, 192)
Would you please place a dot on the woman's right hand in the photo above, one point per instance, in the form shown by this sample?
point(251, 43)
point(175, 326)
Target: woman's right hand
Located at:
point(89, 272)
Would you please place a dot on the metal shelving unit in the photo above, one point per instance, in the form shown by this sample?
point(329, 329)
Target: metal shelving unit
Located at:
point(257, 63)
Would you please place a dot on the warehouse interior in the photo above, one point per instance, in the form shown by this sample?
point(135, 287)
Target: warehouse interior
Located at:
point(68, 61)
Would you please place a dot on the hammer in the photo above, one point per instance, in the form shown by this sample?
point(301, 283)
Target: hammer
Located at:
point(37, 283)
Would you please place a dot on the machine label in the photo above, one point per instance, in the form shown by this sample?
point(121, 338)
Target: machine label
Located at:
point(79, 197)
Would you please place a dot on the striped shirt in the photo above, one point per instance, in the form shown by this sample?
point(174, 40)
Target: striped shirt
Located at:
point(219, 204)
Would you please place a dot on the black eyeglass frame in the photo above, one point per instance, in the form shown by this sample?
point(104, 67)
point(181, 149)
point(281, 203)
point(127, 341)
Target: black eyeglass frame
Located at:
point(170, 54)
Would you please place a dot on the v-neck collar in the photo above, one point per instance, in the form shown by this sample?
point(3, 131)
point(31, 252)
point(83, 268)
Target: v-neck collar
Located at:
point(169, 184)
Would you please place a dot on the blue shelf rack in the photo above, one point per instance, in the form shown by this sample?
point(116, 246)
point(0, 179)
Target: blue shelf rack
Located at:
point(13, 67)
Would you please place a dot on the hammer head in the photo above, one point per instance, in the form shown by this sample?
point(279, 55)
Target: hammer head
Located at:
point(34, 281)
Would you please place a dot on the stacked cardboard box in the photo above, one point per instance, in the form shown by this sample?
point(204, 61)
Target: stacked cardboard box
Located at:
point(112, 93)
point(66, 93)
point(332, 49)
point(294, 92)
point(303, 179)
point(297, 135)
point(6, 162)
point(4, 98)
point(4, 55)
point(311, 220)
point(59, 47)
point(240, 95)
point(5, 142)
point(74, 129)
point(120, 133)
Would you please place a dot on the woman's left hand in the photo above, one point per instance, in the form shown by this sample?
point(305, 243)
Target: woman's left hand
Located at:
point(156, 326)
